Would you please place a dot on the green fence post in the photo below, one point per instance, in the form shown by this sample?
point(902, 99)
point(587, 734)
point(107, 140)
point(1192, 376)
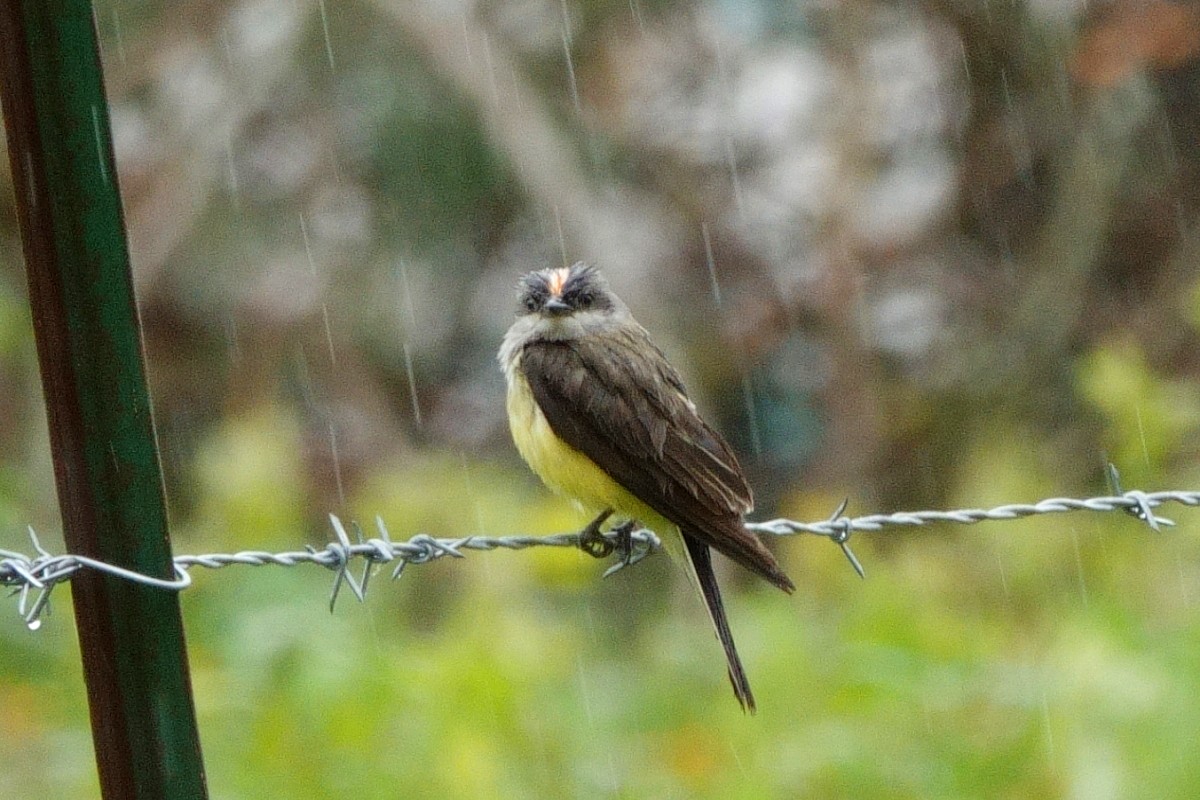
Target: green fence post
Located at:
point(101, 433)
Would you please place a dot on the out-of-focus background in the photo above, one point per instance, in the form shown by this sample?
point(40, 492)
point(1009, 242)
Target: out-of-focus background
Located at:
point(921, 255)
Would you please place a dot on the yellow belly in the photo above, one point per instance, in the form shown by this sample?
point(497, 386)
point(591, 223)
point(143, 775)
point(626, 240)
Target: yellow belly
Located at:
point(563, 468)
point(575, 476)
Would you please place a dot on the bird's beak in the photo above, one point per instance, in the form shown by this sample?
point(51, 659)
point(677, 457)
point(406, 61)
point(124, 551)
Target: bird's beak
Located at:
point(555, 307)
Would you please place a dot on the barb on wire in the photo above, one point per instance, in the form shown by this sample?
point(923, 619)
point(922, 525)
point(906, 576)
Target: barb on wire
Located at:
point(1142, 509)
point(44, 571)
point(32, 578)
point(840, 534)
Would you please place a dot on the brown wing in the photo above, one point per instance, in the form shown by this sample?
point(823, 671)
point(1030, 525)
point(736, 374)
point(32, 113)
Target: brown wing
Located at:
point(623, 406)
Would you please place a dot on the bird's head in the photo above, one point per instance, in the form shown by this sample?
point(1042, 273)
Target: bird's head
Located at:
point(565, 292)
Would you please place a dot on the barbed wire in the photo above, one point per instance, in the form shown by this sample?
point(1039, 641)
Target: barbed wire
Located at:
point(32, 578)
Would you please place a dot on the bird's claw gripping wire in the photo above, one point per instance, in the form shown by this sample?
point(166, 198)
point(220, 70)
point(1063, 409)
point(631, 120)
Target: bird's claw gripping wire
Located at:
point(592, 541)
point(621, 540)
point(623, 546)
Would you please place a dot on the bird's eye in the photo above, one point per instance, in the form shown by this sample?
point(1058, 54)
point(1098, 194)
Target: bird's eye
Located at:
point(584, 300)
point(531, 302)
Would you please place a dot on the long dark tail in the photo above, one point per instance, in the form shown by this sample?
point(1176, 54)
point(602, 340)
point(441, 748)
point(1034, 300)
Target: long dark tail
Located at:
point(701, 559)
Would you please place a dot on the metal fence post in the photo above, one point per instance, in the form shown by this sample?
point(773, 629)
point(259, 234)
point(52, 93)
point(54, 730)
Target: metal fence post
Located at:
point(102, 436)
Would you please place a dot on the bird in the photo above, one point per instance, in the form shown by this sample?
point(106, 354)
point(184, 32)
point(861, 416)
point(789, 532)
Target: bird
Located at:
point(600, 415)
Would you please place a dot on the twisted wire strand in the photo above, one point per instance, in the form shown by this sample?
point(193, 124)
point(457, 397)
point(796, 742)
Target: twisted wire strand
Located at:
point(33, 577)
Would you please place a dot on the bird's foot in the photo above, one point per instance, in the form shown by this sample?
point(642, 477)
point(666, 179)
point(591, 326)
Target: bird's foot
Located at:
point(628, 550)
point(619, 540)
point(592, 541)
point(623, 544)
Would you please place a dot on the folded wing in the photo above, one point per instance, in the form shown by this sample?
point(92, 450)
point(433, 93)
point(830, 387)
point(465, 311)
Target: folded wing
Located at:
point(622, 405)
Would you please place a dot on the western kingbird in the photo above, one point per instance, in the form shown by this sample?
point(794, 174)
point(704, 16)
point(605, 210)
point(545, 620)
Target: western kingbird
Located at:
point(602, 418)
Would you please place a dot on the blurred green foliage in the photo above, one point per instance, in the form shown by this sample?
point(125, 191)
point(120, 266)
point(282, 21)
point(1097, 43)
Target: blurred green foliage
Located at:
point(852, 226)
